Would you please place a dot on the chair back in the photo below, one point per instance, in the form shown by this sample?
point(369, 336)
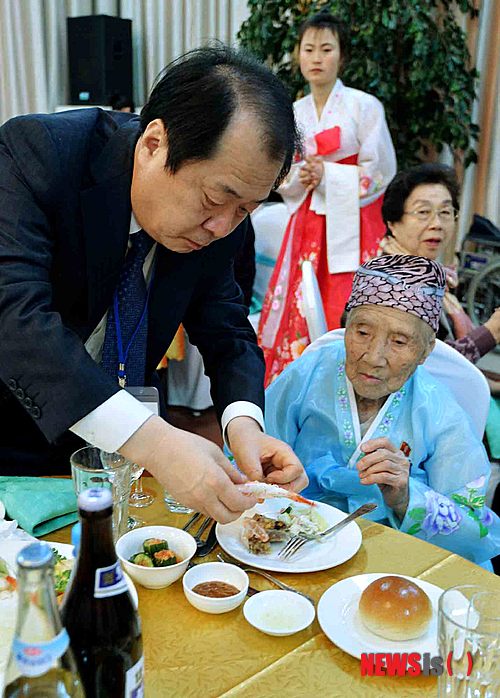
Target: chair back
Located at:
point(312, 303)
point(464, 380)
point(269, 222)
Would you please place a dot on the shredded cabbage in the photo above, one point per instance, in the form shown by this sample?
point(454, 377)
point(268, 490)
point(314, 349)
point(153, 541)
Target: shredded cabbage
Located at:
point(308, 522)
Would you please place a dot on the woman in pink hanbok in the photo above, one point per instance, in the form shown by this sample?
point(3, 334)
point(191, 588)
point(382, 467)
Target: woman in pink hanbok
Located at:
point(334, 194)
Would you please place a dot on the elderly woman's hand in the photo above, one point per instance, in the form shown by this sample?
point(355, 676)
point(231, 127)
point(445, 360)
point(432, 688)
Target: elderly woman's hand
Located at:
point(386, 466)
point(493, 324)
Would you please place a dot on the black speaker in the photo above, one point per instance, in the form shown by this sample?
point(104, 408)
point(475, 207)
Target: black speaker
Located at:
point(100, 58)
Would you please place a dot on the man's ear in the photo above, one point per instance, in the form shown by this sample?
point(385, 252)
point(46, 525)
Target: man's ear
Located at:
point(154, 137)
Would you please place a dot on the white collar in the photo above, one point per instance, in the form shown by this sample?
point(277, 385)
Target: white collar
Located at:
point(134, 225)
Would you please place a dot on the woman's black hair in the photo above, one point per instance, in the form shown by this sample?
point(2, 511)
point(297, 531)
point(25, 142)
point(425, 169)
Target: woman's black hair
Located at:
point(198, 94)
point(118, 102)
point(324, 20)
point(405, 182)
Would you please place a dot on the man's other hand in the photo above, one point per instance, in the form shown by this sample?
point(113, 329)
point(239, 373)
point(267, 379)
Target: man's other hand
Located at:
point(192, 469)
point(262, 457)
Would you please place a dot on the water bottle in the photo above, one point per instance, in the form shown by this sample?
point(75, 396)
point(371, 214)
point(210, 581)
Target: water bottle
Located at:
point(41, 663)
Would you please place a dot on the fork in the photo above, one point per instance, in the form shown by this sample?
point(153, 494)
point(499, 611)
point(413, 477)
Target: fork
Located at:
point(253, 570)
point(194, 519)
point(296, 543)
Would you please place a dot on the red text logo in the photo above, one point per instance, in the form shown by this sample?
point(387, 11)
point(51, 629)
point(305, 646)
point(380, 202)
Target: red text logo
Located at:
point(408, 664)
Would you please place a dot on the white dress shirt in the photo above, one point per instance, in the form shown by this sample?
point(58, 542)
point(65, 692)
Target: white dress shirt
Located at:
point(111, 424)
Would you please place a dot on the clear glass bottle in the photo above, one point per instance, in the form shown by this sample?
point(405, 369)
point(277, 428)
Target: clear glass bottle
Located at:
point(41, 663)
point(98, 611)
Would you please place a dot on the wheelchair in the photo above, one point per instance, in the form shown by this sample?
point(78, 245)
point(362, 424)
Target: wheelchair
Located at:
point(479, 271)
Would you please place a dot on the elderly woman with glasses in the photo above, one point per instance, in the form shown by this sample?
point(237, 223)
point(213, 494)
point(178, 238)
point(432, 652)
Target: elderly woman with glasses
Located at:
point(420, 209)
point(371, 424)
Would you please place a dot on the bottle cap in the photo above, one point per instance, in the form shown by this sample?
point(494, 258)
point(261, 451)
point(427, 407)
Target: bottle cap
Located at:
point(95, 499)
point(35, 555)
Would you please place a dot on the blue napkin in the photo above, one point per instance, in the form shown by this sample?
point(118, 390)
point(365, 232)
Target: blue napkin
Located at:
point(39, 504)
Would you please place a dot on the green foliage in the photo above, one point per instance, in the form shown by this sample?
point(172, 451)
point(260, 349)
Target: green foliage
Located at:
point(410, 54)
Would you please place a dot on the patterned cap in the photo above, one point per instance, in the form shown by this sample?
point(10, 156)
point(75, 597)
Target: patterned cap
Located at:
point(412, 284)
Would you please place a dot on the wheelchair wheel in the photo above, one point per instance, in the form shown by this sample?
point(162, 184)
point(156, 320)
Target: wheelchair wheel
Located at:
point(483, 294)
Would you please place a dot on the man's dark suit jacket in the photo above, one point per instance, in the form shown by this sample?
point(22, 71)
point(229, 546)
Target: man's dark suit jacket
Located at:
point(64, 225)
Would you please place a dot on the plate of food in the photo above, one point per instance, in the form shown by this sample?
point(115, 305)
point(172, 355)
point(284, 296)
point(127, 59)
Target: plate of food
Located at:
point(381, 613)
point(260, 533)
point(63, 554)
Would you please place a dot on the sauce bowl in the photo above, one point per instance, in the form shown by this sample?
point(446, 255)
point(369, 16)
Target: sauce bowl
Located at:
point(215, 572)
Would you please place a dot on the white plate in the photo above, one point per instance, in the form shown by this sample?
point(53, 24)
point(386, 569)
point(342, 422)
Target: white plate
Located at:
point(339, 619)
point(8, 604)
point(312, 557)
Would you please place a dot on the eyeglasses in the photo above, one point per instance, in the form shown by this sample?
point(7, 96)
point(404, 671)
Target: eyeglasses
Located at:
point(447, 214)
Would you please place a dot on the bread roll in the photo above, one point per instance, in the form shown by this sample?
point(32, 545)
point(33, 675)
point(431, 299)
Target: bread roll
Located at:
point(395, 608)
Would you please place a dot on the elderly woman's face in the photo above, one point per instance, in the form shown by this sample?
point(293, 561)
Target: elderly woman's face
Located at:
point(320, 57)
point(384, 346)
point(421, 235)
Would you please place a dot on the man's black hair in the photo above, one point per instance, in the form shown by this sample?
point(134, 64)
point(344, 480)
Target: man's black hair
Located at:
point(405, 182)
point(198, 94)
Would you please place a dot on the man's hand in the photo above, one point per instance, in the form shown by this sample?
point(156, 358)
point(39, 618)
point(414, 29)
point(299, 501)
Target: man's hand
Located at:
point(386, 466)
point(262, 457)
point(192, 469)
point(311, 172)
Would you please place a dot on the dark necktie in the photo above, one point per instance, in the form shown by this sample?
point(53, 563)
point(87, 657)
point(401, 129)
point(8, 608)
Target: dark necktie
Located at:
point(130, 299)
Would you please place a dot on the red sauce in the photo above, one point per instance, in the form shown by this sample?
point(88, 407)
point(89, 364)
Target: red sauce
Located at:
point(216, 590)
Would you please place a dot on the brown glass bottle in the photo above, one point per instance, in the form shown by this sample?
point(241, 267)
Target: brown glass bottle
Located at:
point(98, 612)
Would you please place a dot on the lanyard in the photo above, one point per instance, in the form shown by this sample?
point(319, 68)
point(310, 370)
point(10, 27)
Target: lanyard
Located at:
point(123, 354)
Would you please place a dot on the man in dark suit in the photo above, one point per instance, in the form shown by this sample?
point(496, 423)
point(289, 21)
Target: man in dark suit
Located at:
point(215, 136)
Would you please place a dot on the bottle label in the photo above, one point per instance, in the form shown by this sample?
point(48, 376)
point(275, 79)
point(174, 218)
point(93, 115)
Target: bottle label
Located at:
point(109, 581)
point(36, 658)
point(134, 680)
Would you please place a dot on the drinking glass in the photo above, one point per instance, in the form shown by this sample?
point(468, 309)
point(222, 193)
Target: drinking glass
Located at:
point(90, 468)
point(174, 506)
point(469, 642)
point(139, 498)
point(109, 459)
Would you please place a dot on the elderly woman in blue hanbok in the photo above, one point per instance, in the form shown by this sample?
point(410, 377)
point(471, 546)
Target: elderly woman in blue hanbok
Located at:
point(370, 424)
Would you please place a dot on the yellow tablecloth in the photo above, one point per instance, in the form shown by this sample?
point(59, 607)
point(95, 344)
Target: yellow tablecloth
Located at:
point(192, 654)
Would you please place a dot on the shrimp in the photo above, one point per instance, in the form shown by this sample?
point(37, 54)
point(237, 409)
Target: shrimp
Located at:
point(263, 490)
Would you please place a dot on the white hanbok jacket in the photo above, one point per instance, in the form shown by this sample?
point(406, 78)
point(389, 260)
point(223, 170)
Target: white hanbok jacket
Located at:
point(344, 188)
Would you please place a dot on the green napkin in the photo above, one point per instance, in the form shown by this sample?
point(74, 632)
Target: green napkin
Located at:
point(39, 504)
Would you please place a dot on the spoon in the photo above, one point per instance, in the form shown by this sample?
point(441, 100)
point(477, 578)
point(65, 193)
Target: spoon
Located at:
point(277, 582)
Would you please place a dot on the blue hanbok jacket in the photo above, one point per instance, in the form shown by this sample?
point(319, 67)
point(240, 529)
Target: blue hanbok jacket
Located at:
point(312, 407)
